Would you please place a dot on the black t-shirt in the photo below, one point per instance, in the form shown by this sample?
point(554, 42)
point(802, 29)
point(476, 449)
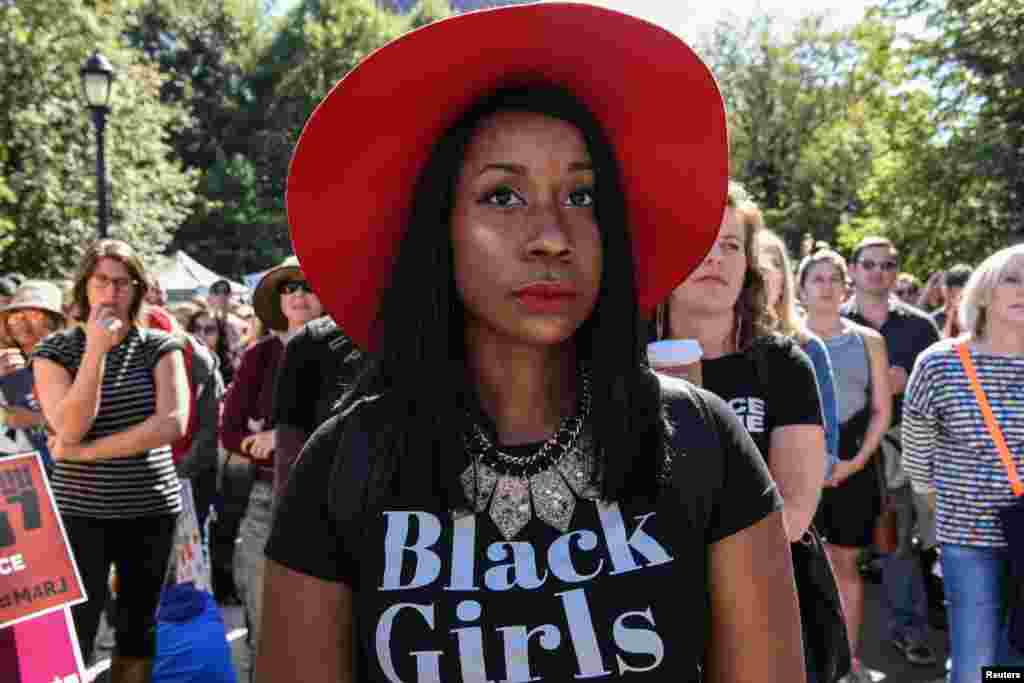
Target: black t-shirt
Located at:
point(770, 385)
point(319, 362)
point(621, 595)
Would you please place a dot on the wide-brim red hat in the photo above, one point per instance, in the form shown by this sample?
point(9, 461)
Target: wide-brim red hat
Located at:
point(353, 173)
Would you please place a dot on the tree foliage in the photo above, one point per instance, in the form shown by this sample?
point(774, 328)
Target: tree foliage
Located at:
point(47, 149)
point(838, 131)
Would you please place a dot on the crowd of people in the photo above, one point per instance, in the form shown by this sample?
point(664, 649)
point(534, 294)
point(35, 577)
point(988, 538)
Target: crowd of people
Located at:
point(433, 443)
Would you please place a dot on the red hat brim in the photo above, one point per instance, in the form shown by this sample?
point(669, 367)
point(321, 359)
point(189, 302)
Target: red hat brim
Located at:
point(352, 176)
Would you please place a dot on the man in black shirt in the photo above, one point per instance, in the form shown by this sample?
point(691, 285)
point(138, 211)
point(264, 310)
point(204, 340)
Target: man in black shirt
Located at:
point(907, 332)
point(319, 363)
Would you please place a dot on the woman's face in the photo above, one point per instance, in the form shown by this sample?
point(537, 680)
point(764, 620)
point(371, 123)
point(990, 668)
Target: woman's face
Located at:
point(28, 326)
point(1006, 303)
point(771, 266)
point(112, 286)
point(823, 289)
point(527, 249)
point(298, 302)
point(716, 284)
point(207, 330)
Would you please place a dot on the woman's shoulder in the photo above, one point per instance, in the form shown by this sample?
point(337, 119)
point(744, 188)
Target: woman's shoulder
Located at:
point(69, 340)
point(940, 352)
point(689, 406)
point(352, 427)
point(264, 347)
point(812, 344)
point(778, 350)
point(866, 333)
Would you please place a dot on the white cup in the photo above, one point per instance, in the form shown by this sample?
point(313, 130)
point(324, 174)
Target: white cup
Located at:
point(677, 357)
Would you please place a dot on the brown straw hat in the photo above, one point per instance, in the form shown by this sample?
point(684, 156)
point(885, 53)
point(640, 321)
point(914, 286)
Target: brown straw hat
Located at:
point(37, 294)
point(266, 300)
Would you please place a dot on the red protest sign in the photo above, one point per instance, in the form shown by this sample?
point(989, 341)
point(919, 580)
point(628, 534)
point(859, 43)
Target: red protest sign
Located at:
point(37, 571)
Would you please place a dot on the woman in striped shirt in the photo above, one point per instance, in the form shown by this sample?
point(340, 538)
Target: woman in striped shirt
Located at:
point(949, 454)
point(116, 396)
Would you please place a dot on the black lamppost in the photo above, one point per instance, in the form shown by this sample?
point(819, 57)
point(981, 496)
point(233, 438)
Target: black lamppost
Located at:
point(97, 76)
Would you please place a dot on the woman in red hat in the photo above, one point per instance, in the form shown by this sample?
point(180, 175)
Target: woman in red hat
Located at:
point(509, 493)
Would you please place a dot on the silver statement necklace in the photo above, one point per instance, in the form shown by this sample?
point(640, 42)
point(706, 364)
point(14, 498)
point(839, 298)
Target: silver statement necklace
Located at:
point(546, 482)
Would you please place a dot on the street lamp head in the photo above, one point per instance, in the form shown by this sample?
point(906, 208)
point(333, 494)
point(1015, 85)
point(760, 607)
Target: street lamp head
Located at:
point(97, 76)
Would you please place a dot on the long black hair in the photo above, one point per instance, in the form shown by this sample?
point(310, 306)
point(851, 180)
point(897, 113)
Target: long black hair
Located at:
point(223, 350)
point(417, 378)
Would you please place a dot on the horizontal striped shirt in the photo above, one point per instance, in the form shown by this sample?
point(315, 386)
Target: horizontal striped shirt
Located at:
point(947, 447)
point(135, 486)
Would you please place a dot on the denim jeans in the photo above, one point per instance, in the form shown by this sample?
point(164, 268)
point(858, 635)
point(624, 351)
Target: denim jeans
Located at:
point(249, 566)
point(903, 596)
point(977, 588)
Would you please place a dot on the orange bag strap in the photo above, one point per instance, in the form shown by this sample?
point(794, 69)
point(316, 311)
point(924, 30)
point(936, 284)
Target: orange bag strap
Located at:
point(990, 419)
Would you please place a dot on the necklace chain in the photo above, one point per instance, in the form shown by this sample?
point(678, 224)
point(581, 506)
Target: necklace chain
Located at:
point(524, 465)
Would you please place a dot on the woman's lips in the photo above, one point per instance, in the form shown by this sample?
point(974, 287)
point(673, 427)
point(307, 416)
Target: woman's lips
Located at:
point(546, 297)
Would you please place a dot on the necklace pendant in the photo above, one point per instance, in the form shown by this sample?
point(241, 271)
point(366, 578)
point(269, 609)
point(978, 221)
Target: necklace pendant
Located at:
point(577, 466)
point(510, 507)
point(553, 500)
point(478, 480)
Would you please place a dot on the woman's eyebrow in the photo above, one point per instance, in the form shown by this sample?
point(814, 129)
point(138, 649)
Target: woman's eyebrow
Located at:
point(519, 169)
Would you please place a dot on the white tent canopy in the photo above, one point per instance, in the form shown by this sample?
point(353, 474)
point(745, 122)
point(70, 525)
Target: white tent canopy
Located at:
point(183, 276)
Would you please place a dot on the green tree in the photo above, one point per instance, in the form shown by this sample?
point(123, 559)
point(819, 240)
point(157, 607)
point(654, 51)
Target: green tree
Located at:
point(803, 108)
point(47, 162)
point(973, 54)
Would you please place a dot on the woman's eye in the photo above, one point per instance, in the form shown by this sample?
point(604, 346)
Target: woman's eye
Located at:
point(731, 246)
point(1011, 279)
point(502, 196)
point(582, 197)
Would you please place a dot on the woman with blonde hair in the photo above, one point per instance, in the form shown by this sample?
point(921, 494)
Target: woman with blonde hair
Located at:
point(778, 275)
point(950, 454)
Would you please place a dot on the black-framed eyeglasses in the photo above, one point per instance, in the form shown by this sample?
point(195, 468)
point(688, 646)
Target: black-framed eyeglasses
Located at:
point(885, 266)
point(294, 287)
point(120, 284)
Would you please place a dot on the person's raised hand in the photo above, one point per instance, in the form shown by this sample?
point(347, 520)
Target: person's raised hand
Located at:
point(102, 329)
point(10, 360)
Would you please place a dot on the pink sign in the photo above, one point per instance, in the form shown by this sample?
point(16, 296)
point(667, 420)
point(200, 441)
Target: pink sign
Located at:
point(45, 650)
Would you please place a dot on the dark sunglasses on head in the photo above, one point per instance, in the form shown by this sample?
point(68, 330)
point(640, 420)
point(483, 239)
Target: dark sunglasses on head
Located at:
point(886, 266)
point(295, 286)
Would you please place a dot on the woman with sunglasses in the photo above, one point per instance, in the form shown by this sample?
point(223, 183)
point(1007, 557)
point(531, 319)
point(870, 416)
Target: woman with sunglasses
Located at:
point(284, 302)
point(212, 331)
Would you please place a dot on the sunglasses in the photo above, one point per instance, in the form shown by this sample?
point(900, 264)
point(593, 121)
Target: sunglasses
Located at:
point(294, 287)
point(25, 316)
point(885, 266)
